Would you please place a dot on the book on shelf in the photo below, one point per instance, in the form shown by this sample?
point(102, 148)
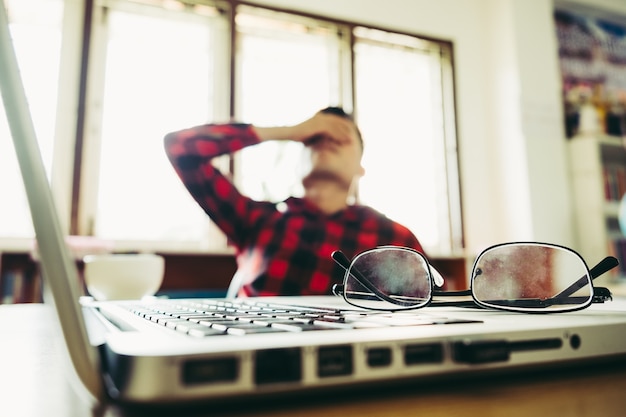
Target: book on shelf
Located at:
point(20, 287)
point(617, 248)
point(614, 182)
point(11, 287)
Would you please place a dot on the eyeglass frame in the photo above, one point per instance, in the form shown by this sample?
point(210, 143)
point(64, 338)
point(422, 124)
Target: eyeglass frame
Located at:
point(600, 294)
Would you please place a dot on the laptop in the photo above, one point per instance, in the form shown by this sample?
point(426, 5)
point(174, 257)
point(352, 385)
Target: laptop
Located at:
point(160, 352)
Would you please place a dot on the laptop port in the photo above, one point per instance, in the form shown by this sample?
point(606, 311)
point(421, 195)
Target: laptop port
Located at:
point(379, 357)
point(278, 365)
point(482, 351)
point(423, 354)
point(207, 371)
point(334, 361)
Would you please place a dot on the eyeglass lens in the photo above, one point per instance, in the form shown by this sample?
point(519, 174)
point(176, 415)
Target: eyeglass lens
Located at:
point(388, 278)
point(531, 277)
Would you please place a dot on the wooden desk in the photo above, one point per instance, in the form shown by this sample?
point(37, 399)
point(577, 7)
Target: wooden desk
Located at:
point(34, 382)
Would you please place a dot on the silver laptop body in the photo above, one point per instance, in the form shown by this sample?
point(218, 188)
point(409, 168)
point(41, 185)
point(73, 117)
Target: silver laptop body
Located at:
point(131, 351)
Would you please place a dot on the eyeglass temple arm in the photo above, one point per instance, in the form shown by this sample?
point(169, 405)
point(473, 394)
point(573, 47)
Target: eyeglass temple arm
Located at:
point(342, 260)
point(602, 267)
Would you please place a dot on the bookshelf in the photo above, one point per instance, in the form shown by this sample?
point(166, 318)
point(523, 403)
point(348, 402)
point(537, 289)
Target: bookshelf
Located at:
point(598, 170)
point(19, 279)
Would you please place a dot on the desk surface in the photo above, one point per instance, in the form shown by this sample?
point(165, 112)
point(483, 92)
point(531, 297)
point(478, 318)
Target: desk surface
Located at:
point(34, 382)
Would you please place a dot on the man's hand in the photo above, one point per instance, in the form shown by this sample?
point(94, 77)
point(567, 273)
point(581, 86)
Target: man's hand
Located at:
point(321, 125)
point(328, 126)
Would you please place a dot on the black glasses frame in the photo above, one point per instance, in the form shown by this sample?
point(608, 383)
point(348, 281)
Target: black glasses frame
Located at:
point(600, 294)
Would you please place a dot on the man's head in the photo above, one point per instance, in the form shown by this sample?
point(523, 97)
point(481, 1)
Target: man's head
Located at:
point(335, 154)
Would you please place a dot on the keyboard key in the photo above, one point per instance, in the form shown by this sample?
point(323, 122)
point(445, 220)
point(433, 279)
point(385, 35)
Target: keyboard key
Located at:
point(240, 331)
point(185, 327)
point(332, 324)
point(173, 323)
point(155, 317)
point(204, 331)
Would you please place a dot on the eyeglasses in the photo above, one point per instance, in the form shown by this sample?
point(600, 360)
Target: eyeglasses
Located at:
point(523, 277)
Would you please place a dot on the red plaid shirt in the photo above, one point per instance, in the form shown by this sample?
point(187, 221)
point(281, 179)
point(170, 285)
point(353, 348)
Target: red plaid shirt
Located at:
point(282, 249)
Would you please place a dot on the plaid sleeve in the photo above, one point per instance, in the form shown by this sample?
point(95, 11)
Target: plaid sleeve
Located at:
point(406, 238)
point(191, 151)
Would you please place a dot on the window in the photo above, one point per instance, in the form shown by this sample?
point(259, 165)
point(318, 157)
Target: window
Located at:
point(400, 89)
point(35, 27)
point(188, 66)
point(154, 80)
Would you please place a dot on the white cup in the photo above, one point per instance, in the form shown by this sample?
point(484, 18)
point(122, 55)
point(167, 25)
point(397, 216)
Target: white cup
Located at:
point(123, 276)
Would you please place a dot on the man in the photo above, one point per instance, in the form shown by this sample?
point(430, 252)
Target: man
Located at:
point(285, 248)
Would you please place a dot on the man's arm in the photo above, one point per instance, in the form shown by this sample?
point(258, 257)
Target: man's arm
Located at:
point(191, 152)
point(208, 141)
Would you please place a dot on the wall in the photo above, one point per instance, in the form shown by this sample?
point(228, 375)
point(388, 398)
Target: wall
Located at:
point(514, 171)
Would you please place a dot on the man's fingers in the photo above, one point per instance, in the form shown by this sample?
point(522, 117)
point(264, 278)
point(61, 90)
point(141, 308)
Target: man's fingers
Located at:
point(328, 127)
point(338, 129)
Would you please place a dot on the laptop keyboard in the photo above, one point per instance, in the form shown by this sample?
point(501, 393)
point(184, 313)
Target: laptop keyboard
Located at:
point(202, 318)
